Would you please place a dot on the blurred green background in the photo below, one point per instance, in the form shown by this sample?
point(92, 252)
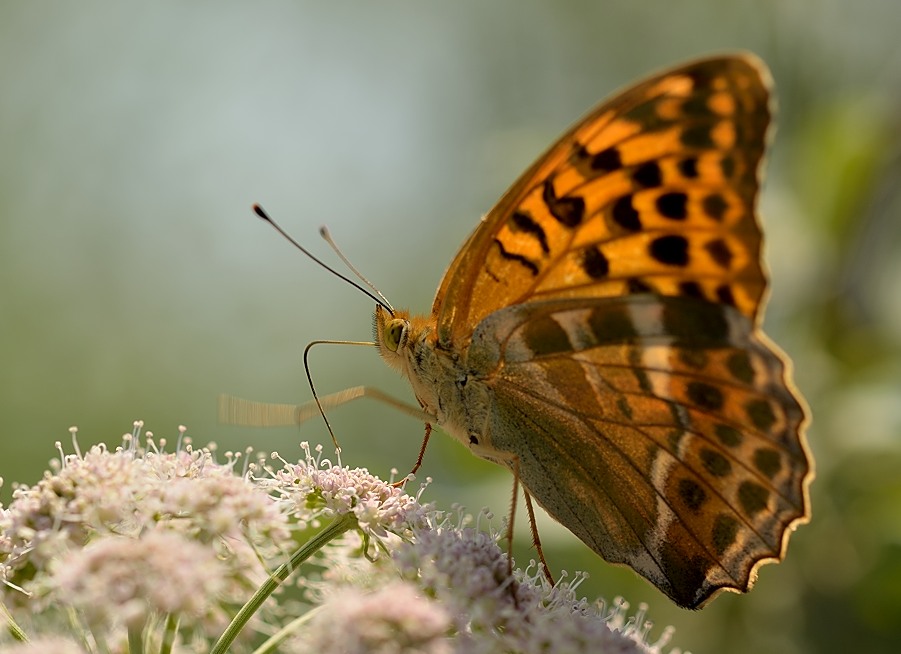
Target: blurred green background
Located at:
point(136, 283)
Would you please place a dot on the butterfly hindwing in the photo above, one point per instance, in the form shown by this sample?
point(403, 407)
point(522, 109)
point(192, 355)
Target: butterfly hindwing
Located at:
point(660, 430)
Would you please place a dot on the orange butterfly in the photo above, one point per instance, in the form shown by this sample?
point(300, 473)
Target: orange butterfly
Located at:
point(599, 333)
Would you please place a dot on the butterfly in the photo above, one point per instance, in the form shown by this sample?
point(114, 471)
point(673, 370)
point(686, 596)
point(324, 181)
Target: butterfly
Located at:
point(599, 333)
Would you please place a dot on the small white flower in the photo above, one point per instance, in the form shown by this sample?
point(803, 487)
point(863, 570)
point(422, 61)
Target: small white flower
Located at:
point(312, 489)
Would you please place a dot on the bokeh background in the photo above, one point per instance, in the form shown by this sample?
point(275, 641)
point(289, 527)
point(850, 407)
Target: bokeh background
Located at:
point(136, 283)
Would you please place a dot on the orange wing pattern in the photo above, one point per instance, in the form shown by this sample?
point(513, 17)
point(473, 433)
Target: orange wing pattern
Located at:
point(654, 191)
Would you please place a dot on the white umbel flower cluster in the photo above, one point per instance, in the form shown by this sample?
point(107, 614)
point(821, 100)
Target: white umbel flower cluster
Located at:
point(141, 549)
point(130, 536)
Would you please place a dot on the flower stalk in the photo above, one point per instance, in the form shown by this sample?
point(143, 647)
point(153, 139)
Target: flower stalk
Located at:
point(340, 525)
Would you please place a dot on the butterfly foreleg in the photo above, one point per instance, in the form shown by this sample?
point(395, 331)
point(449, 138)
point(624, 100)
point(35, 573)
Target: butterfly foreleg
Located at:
point(251, 413)
point(418, 464)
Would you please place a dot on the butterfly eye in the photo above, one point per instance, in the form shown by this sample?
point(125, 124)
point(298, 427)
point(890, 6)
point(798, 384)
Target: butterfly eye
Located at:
point(393, 334)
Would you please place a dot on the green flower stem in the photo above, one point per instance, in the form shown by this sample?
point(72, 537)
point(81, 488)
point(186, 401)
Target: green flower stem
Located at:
point(338, 527)
point(12, 626)
point(135, 640)
point(276, 639)
point(169, 634)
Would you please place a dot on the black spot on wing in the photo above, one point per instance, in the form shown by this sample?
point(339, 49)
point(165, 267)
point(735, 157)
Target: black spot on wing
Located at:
point(523, 222)
point(725, 529)
point(729, 436)
point(529, 265)
point(569, 211)
point(715, 206)
point(753, 497)
point(689, 168)
point(625, 215)
point(719, 251)
point(671, 250)
point(715, 463)
point(593, 165)
point(761, 414)
point(648, 175)
point(692, 494)
point(739, 365)
point(767, 461)
point(705, 396)
point(673, 205)
point(594, 263)
point(724, 295)
point(607, 160)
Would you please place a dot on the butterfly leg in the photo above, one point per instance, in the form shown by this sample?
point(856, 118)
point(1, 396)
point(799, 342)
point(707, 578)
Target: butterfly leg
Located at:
point(512, 514)
point(536, 541)
point(533, 526)
point(512, 461)
point(418, 464)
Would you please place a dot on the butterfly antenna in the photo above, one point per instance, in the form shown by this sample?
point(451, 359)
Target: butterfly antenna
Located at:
point(380, 299)
point(324, 233)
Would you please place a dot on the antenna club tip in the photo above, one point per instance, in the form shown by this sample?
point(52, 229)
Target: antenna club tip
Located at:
point(323, 232)
point(258, 210)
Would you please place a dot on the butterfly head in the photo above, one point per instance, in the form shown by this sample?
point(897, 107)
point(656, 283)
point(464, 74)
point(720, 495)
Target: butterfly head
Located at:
point(392, 334)
point(402, 340)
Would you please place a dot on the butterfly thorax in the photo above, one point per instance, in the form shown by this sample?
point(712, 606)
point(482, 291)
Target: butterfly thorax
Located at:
point(438, 375)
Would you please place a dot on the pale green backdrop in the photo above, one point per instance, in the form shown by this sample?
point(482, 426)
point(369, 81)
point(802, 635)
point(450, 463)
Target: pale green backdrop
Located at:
point(135, 282)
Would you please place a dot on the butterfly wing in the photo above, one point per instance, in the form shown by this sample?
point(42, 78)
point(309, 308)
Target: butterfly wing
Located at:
point(609, 307)
point(659, 430)
point(654, 190)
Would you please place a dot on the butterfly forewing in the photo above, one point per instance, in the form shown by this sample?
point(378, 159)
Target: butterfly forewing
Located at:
point(598, 332)
point(652, 191)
